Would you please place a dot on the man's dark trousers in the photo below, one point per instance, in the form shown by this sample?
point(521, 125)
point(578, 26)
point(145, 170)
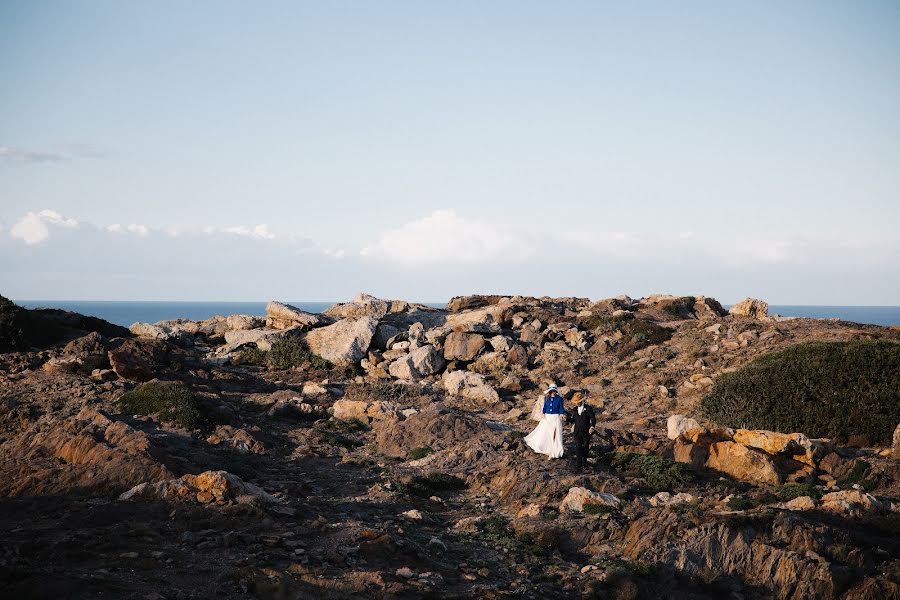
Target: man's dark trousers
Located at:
point(583, 423)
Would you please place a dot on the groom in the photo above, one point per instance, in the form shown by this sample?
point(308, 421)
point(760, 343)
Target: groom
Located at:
point(583, 422)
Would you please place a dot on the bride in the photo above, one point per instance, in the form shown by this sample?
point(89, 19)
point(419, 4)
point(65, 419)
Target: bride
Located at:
point(547, 436)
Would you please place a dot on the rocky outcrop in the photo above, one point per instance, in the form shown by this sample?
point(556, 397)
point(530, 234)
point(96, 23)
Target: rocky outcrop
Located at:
point(435, 426)
point(743, 463)
point(209, 487)
point(421, 362)
point(463, 346)
point(470, 386)
point(261, 338)
point(138, 359)
point(750, 307)
point(345, 342)
point(284, 316)
point(578, 497)
point(363, 305)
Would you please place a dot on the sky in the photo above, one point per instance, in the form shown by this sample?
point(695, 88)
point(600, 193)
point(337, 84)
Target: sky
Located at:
point(312, 150)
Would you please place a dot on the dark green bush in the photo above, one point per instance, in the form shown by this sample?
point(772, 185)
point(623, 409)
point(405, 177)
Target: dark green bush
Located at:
point(252, 355)
point(789, 491)
point(382, 391)
point(417, 453)
point(823, 389)
point(287, 353)
point(741, 503)
point(430, 484)
point(171, 403)
point(599, 509)
point(658, 472)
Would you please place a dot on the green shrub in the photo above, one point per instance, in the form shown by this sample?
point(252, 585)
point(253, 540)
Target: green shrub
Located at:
point(604, 322)
point(430, 484)
point(741, 503)
point(171, 403)
point(823, 389)
point(789, 491)
point(599, 509)
point(288, 352)
point(252, 355)
point(417, 453)
point(658, 472)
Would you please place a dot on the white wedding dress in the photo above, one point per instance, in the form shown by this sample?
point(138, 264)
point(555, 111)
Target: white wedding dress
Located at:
point(547, 437)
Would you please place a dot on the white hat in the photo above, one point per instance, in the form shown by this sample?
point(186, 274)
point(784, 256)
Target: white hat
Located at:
point(552, 387)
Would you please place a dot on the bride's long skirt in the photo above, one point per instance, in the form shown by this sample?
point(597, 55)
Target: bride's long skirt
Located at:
point(547, 437)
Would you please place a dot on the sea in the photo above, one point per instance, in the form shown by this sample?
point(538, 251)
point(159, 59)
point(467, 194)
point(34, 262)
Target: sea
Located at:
point(127, 312)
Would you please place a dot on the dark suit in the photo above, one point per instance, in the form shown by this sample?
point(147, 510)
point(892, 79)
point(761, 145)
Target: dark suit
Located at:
point(583, 423)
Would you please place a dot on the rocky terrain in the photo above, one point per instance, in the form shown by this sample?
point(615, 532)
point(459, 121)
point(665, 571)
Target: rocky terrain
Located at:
point(374, 451)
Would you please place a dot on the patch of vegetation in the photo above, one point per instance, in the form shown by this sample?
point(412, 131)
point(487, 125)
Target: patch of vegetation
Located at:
point(286, 353)
point(381, 391)
point(604, 322)
point(599, 509)
point(430, 484)
point(857, 474)
point(681, 308)
point(789, 491)
point(741, 503)
point(251, 355)
point(824, 389)
point(658, 472)
point(417, 453)
point(170, 403)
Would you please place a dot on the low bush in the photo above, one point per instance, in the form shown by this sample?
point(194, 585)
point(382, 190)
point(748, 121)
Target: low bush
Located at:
point(789, 491)
point(823, 389)
point(288, 352)
point(430, 484)
point(658, 472)
point(251, 355)
point(170, 403)
point(741, 503)
point(599, 509)
point(417, 453)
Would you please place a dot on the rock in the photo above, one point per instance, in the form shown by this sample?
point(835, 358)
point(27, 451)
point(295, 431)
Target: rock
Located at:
point(469, 524)
point(679, 424)
point(530, 510)
point(345, 342)
point(577, 339)
point(470, 386)
point(800, 503)
point(481, 320)
point(743, 463)
point(529, 335)
point(91, 350)
point(218, 487)
point(708, 308)
point(384, 333)
point(138, 359)
point(63, 364)
point(750, 307)
point(854, 503)
point(346, 410)
point(666, 499)
point(415, 515)
point(501, 343)
point(773, 443)
point(177, 332)
point(434, 426)
point(694, 455)
point(579, 497)
point(421, 362)
point(239, 439)
point(463, 346)
point(896, 442)
point(284, 316)
point(241, 322)
point(363, 305)
point(405, 573)
point(517, 355)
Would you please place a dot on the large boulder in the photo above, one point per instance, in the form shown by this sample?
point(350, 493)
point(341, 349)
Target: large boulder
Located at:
point(797, 445)
point(853, 502)
point(346, 410)
point(750, 308)
point(743, 463)
point(261, 338)
point(138, 359)
point(421, 362)
point(463, 346)
point(284, 316)
point(579, 497)
point(470, 386)
point(363, 305)
point(180, 331)
point(480, 320)
point(345, 342)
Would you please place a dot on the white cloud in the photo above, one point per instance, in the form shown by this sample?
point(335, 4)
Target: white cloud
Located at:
point(141, 230)
point(260, 231)
point(32, 228)
point(29, 156)
point(445, 237)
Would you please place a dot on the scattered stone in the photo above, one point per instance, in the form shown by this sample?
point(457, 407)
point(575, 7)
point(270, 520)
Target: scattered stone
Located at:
point(579, 497)
point(676, 425)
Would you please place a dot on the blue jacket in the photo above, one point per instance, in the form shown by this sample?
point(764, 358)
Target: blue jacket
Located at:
point(553, 405)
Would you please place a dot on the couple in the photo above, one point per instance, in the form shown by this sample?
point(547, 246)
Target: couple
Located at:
point(547, 436)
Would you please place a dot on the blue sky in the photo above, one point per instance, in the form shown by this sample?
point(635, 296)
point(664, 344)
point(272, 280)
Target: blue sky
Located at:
point(241, 151)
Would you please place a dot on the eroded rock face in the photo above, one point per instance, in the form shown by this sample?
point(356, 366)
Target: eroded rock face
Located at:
point(741, 462)
point(219, 487)
point(363, 305)
point(90, 452)
point(853, 502)
point(480, 320)
point(261, 338)
point(579, 497)
point(138, 359)
point(284, 316)
point(750, 308)
point(435, 426)
point(345, 342)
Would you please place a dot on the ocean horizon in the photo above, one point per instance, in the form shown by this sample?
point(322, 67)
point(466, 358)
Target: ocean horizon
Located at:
point(126, 312)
